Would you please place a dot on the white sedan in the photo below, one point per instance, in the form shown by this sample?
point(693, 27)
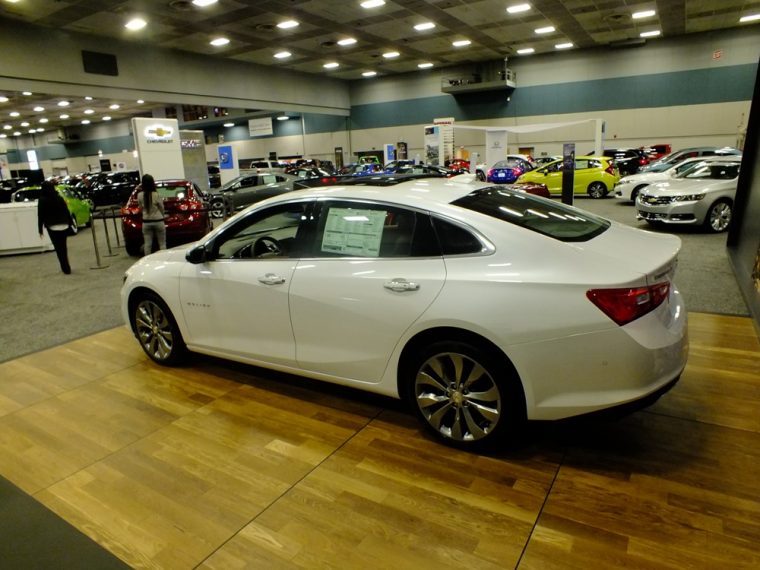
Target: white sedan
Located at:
point(480, 305)
point(629, 186)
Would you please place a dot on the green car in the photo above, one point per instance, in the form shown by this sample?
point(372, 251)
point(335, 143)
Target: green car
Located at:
point(79, 206)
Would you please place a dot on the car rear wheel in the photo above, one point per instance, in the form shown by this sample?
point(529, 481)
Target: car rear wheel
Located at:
point(157, 330)
point(480, 175)
point(133, 249)
point(461, 394)
point(719, 216)
point(217, 208)
point(597, 190)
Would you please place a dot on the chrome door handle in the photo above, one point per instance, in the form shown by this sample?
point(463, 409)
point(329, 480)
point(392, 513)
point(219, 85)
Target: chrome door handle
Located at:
point(271, 279)
point(400, 285)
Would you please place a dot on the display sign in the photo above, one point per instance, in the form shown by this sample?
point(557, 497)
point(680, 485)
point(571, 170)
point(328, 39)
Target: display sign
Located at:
point(349, 231)
point(433, 145)
point(157, 146)
point(158, 134)
point(260, 127)
point(226, 161)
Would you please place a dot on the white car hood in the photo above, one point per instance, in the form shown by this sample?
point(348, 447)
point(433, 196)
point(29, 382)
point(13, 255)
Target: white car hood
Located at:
point(645, 177)
point(689, 186)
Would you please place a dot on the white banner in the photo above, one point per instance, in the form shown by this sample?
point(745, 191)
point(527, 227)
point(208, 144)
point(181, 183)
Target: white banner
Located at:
point(260, 127)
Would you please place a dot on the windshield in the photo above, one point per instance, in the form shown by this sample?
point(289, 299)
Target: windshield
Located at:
point(551, 219)
point(713, 170)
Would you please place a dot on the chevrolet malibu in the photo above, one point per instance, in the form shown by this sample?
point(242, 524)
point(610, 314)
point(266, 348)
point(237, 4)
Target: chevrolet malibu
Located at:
point(480, 305)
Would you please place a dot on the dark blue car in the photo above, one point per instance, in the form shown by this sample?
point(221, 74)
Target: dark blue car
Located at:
point(507, 171)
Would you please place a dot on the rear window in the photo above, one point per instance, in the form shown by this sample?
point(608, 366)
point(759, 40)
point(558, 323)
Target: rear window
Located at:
point(551, 219)
point(172, 191)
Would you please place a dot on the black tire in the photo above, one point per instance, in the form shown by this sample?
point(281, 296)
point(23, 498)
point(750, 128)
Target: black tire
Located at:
point(597, 190)
point(157, 331)
point(465, 395)
point(480, 175)
point(133, 249)
point(216, 208)
point(635, 193)
point(719, 216)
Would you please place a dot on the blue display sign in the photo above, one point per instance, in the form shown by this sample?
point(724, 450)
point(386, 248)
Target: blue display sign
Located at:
point(225, 158)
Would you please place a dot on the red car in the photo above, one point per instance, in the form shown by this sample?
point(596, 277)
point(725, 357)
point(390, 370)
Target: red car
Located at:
point(535, 188)
point(185, 213)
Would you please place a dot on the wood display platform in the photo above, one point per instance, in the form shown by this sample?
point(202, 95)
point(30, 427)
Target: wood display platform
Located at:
point(219, 465)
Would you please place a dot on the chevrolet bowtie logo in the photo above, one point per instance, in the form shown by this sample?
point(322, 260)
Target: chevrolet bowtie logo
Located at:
point(158, 133)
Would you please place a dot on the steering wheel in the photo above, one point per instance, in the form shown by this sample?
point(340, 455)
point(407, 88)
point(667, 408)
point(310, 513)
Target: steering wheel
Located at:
point(266, 246)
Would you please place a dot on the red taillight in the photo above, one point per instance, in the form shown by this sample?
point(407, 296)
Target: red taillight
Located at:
point(129, 211)
point(490, 173)
point(330, 180)
point(610, 169)
point(643, 161)
point(517, 171)
point(628, 304)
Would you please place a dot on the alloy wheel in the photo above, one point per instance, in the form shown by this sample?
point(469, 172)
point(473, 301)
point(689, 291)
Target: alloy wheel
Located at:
point(457, 397)
point(597, 190)
point(154, 329)
point(720, 216)
point(217, 209)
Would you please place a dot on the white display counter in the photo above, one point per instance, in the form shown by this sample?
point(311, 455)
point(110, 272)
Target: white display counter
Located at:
point(18, 229)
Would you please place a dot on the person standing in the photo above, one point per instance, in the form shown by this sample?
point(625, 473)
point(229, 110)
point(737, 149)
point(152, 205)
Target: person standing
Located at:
point(53, 214)
point(152, 207)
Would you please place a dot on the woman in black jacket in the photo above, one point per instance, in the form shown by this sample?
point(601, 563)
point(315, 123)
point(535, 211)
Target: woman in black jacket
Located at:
point(53, 213)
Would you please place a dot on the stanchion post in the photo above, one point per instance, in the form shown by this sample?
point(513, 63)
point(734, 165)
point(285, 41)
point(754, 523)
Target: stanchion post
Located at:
point(108, 239)
point(115, 229)
point(95, 245)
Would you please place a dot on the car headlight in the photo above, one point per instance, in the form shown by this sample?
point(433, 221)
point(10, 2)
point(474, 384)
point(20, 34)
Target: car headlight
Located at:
point(688, 198)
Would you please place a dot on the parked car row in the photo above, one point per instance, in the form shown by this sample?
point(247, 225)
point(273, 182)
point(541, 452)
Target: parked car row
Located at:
point(79, 206)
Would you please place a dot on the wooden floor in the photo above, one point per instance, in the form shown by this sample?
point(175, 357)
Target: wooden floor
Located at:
point(217, 465)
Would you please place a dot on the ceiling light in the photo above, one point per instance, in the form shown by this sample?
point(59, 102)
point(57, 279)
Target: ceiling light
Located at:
point(114, 106)
point(287, 24)
point(331, 65)
point(3, 136)
point(517, 8)
point(391, 54)
point(85, 121)
point(461, 43)
point(63, 103)
point(424, 26)
point(88, 98)
point(88, 111)
point(219, 42)
point(40, 130)
point(566, 45)
point(39, 109)
point(106, 118)
point(32, 131)
point(544, 30)
point(282, 54)
point(425, 65)
point(27, 93)
point(347, 42)
point(136, 24)
point(369, 73)
point(749, 18)
point(3, 99)
point(643, 14)
point(14, 114)
point(652, 34)
point(24, 124)
point(140, 101)
point(372, 3)
point(7, 127)
point(204, 3)
point(43, 120)
point(525, 51)
point(16, 133)
point(282, 118)
point(228, 125)
point(64, 117)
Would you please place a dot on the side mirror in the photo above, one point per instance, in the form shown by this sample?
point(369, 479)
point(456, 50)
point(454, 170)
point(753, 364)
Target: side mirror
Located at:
point(197, 255)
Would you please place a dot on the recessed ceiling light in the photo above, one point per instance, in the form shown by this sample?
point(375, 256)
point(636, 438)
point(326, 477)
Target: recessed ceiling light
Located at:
point(544, 30)
point(461, 43)
point(525, 51)
point(282, 54)
point(88, 111)
point(140, 101)
point(369, 73)
point(517, 8)
point(63, 103)
point(16, 133)
point(24, 124)
point(424, 26)
point(331, 65)
point(14, 114)
point(652, 34)
point(40, 130)
point(88, 98)
point(136, 24)
point(27, 93)
point(566, 45)
point(287, 24)
point(372, 3)
point(106, 118)
point(4, 99)
point(347, 42)
point(643, 14)
point(204, 3)
point(7, 127)
point(391, 54)
point(114, 106)
point(43, 120)
point(219, 42)
point(282, 117)
point(39, 109)
point(425, 65)
point(749, 18)
point(85, 121)
point(3, 136)
point(228, 125)
point(64, 117)
point(32, 131)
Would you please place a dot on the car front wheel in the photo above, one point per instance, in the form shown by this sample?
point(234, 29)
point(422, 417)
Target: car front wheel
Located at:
point(217, 208)
point(157, 330)
point(719, 217)
point(462, 394)
point(597, 190)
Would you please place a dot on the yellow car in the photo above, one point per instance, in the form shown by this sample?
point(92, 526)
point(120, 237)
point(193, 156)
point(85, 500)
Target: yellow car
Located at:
point(594, 175)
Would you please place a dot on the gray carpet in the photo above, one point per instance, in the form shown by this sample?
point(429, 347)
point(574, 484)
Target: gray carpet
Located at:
point(41, 307)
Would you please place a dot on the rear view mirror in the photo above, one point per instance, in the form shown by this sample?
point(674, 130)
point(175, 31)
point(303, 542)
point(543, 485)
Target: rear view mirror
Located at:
point(197, 255)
